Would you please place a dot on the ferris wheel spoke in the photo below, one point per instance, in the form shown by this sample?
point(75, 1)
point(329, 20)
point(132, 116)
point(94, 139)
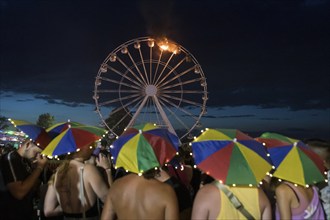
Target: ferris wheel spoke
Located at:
point(164, 68)
point(118, 99)
point(177, 76)
point(137, 68)
point(169, 73)
point(174, 115)
point(181, 109)
point(181, 83)
point(150, 65)
point(124, 75)
point(138, 100)
point(183, 91)
point(116, 91)
point(182, 100)
point(120, 83)
point(158, 62)
point(143, 65)
point(143, 82)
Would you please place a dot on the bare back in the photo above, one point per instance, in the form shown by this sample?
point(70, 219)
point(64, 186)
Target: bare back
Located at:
point(67, 185)
point(134, 197)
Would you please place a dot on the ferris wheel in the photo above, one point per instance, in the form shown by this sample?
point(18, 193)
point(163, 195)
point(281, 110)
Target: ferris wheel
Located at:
point(154, 81)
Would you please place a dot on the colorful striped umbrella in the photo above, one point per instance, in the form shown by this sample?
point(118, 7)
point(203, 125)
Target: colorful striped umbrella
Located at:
point(73, 138)
point(293, 160)
point(231, 157)
point(36, 133)
point(144, 147)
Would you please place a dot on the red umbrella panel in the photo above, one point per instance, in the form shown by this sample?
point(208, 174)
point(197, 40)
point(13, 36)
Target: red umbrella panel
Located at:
point(36, 133)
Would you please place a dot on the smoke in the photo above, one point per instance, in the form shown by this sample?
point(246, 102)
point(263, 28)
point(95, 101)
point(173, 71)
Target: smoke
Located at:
point(158, 17)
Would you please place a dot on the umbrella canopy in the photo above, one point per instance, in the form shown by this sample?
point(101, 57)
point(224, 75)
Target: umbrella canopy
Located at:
point(231, 157)
point(36, 133)
point(293, 160)
point(58, 128)
point(144, 147)
point(73, 138)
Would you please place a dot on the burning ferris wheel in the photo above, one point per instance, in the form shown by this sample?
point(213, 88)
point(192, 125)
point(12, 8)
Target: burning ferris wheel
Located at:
point(152, 81)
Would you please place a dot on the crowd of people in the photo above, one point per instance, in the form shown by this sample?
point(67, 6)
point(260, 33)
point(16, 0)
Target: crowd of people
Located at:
point(85, 185)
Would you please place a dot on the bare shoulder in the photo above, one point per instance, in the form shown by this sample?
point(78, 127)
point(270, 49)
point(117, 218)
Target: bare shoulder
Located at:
point(208, 189)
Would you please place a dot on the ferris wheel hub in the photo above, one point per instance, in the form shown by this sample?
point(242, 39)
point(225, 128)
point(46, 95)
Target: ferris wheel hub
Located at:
point(151, 90)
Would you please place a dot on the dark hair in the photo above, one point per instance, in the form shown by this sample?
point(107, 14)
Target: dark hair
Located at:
point(152, 173)
point(319, 143)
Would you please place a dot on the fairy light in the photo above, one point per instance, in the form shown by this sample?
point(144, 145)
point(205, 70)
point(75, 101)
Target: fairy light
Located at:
point(190, 153)
point(264, 144)
point(220, 181)
point(273, 167)
point(202, 131)
point(267, 173)
point(90, 147)
point(139, 174)
point(326, 180)
point(116, 167)
point(325, 173)
point(69, 153)
point(182, 168)
point(268, 155)
point(195, 137)
point(156, 168)
point(271, 175)
point(112, 157)
point(190, 144)
point(166, 164)
point(295, 185)
point(206, 129)
point(126, 171)
point(177, 153)
point(234, 185)
point(307, 185)
point(280, 180)
point(78, 149)
point(195, 166)
point(260, 182)
point(141, 171)
point(250, 185)
point(111, 146)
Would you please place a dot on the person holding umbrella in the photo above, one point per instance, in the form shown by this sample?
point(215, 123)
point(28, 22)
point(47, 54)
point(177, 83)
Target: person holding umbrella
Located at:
point(297, 170)
point(141, 151)
point(238, 164)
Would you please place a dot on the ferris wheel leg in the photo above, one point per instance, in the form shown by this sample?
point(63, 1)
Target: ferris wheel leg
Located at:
point(163, 115)
point(130, 124)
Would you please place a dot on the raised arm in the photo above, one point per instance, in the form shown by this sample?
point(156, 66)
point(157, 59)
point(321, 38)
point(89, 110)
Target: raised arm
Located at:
point(20, 189)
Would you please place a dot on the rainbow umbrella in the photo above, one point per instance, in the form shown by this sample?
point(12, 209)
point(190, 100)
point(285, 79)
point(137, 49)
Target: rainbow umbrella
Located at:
point(143, 147)
point(36, 133)
point(293, 160)
point(73, 138)
point(231, 157)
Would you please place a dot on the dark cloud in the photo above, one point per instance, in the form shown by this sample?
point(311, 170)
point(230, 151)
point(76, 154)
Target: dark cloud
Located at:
point(265, 53)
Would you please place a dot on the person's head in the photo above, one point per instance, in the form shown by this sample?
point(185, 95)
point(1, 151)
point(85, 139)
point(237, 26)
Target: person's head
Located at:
point(85, 152)
point(28, 149)
point(152, 173)
point(322, 148)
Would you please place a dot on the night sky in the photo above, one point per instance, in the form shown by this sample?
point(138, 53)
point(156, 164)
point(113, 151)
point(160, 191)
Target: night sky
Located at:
point(267, 62)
